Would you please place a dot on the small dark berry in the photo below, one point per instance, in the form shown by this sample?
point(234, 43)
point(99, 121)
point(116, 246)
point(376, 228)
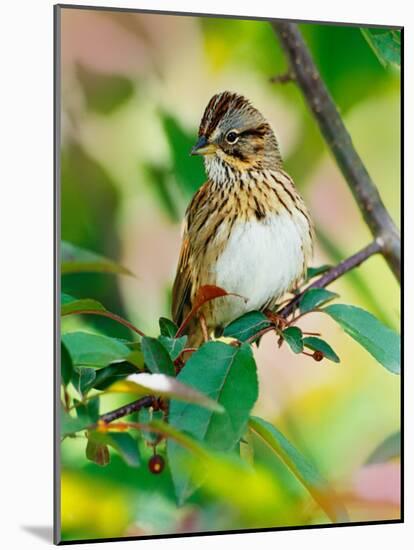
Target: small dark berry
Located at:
point(318, 355)
point(156, 464)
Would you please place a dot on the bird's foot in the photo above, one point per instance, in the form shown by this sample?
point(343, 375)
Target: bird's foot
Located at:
point(279, 321)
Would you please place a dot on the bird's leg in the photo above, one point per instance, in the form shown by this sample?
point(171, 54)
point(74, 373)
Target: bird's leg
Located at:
point(203, 326)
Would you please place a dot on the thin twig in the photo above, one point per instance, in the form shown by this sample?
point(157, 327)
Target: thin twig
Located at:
point(108, 314)
point(261, 332)
point(288, 76)
point(336, 135)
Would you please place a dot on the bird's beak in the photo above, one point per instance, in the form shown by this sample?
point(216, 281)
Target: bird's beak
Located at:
point(202, 147)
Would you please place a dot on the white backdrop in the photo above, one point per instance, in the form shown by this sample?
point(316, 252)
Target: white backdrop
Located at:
point(26, 271)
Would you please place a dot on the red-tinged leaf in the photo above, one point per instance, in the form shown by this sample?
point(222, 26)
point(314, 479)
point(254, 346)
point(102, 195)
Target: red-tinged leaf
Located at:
point(205, 294)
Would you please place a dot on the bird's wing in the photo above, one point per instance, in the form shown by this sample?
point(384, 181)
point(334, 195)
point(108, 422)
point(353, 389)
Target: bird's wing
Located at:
point(182, 288)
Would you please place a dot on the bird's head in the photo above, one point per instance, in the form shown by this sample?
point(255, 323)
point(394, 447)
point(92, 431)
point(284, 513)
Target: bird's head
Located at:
point(235, 137)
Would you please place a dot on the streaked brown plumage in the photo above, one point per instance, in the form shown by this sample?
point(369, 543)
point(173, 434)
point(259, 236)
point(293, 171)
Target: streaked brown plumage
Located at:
point(247, 228)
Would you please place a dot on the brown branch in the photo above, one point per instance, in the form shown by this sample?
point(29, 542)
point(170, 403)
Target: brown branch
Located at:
point(338, 139)
point(144, 402)
point(334, 273)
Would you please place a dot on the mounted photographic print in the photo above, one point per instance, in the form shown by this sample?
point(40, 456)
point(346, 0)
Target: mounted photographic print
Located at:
point(228, 199)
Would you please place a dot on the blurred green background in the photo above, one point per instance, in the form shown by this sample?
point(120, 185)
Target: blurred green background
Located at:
point(134, 88)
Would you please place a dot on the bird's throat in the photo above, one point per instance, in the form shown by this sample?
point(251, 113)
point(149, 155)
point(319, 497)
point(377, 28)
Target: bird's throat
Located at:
point(219, 171)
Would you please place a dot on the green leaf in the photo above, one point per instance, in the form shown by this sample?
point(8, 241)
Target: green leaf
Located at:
point(386, 44)
point(104, 93)
point(314, 271)
point(389, 449)
point(83, 378)
point(174, 346)
point(294, 337)
point(78, 260)
point(156, 357)
point(164, 188)
point(126, 446)
point(317, 344)
point(123, 443)
point(189, 171)
point(163, 385)
point(66, 298)
point(69, 304)
point(227, 374)
point(107, 376)
point(380, 341)
point(301, 468)
point(70, 425)
point(94, 350)
point(315, 297)
point(136, 358)
point(247, 326)
point(167, 327)
point(66, 367)
point(132, 344)
point(89, 410)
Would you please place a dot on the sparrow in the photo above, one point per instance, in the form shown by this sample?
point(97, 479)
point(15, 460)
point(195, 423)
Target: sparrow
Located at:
point(247, 229)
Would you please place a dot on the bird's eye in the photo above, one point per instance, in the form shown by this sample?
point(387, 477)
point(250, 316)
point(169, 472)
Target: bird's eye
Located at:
point(232, 137)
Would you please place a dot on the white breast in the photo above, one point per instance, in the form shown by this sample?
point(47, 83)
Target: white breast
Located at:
point(261, 261)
